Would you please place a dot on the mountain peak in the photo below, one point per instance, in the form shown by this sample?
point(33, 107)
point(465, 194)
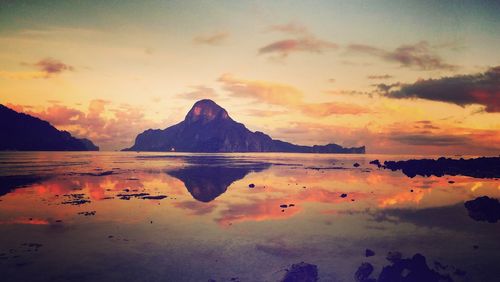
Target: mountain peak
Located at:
point(208, 128)
point(206, 110)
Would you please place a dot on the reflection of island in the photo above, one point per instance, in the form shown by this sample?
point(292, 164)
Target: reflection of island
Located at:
point(10, 183)
point(483, 167)
point(206, 182)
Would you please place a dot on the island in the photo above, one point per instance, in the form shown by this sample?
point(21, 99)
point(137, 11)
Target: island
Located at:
point(208, 128)
point(22, 132)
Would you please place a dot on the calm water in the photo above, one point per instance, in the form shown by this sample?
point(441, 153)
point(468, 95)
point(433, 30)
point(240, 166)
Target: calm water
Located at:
point(101, 217)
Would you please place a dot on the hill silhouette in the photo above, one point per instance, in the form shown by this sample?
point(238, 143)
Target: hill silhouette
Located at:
point(208, 127)
point(22, 132)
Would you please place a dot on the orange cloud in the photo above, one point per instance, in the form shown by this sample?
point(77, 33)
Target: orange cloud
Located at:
point(22, 75)
point(284, 95)
point(411, 138)
point(326, 109)
point(261, 91)
point(380, 76)
point(307, 44)
point(110, 126)
point(199, 92)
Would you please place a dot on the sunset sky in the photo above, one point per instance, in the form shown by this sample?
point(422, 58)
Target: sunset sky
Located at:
point(409, 77)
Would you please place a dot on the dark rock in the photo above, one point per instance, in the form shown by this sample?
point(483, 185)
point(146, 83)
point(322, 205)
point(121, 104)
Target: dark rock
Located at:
point(483, 167)
point(301, 272)
point(251, 185)
point(369, 253)
point(460, 272)
point(104, 173)
point(376, 162)
point(22, 132)
point(132, 195)
point(284, 206)
point(87, 213)
point(343, 195)
point(414, 269)
point(363, 273)
point(75, 199)
point(394, 256)
point(208, 128)
point(484, 209)
point(76, 202)
point(356, 165)
point(159, 197)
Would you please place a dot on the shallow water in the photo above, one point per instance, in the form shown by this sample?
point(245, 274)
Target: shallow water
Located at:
point(96, 217)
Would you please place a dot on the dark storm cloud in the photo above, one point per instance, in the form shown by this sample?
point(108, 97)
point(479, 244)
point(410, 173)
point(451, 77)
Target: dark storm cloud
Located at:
point(462, 90)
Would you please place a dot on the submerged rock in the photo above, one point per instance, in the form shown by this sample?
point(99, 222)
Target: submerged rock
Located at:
point(413, 269)
point(376, 162)
point(369, 253)
point(159, 197)
point(75, 199)
point(483, 167)
point(301, 272)
point(87, 213)
point(363, 273)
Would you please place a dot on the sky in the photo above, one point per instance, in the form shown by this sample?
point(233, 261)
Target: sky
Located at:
point(401, 77)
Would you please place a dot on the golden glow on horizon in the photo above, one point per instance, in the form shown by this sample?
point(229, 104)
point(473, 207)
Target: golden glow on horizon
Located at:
point(303, 79)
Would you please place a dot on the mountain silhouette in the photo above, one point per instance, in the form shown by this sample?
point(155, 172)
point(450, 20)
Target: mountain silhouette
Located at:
point(22, 132)
point(209, 128)
point(208, 177)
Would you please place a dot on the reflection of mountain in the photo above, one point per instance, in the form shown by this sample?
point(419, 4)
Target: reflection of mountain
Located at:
point(206, 182)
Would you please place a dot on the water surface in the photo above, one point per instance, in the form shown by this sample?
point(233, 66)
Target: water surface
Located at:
point(105, 216)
